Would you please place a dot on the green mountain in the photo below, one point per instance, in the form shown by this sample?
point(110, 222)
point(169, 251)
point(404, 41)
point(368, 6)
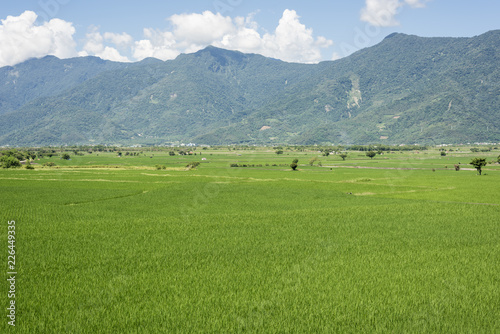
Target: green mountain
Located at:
point(406, 89)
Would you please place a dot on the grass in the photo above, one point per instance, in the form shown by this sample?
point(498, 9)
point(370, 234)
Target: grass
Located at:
point(256, 249)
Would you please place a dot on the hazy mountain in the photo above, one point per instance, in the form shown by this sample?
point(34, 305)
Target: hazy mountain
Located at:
point(406, 89)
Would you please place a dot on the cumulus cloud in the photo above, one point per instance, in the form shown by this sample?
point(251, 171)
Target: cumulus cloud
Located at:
point(291, 41)
point(157, 44)
point(382, 13)
point(95, 45)
point(121, 40)
point(201, 28)
point(21, 38)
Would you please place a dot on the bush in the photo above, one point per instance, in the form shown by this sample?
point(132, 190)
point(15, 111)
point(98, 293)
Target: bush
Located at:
point(234, 165)
point(49, 164)
point(193, 165)
point(29, 166)
point(293, 165)
point(65, 156)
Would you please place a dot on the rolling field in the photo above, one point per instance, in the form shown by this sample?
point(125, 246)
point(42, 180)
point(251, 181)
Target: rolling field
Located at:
point(113, 245)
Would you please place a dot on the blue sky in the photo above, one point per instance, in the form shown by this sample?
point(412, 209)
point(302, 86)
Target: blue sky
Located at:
point(297, 31)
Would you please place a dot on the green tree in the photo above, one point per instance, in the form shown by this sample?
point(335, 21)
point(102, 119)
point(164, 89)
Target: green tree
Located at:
point(66, 156)
point(343, 156)
point(312, 161)
point(294, 164)
point(371, 154)
point(279, 152)
point(443, 153)
point(478, 163)
point(8, 161)
point(171, 153)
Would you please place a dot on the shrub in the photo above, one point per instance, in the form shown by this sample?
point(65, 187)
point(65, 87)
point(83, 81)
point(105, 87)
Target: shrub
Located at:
point(234, 165)
point(193, 165)
point(65, 156)
point(49, 164)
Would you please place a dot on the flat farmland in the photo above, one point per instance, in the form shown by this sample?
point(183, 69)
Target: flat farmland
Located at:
point(399, 243)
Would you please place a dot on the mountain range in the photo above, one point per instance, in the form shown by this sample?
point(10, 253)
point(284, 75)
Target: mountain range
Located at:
point(406, 89)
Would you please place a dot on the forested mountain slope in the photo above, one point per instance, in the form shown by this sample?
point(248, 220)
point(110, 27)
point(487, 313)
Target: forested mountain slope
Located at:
point(406, 89)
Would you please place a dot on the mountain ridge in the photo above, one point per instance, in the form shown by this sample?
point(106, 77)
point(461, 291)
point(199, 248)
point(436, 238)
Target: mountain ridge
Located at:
point(404, 89)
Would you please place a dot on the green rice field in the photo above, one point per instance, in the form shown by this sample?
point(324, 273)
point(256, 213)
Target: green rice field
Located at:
point(401, 243)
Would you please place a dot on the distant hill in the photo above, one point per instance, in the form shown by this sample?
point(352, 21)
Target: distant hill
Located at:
point(406, 89)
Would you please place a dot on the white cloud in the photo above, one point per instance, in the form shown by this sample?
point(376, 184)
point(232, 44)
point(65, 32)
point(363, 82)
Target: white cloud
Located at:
point(95, 45)
point(121, 40)
point(21, 39)
point(416, 3)
point(382, 13)
point(157, 44)
point(291, 41)
point(201, 28)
